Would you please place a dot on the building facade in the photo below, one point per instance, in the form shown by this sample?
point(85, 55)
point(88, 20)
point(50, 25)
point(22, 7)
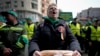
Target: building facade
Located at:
point(27, 8)
point(89, 13)
point(44, 5)
point(24, 8)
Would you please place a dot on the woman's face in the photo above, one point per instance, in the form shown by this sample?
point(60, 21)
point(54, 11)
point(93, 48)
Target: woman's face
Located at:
point(53, 12)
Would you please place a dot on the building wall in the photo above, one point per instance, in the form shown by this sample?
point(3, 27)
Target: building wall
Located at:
point(84, 13)
point(45, 4)
point(24, 8)
point(21, 5)
point(90, 13)
point(95, 12)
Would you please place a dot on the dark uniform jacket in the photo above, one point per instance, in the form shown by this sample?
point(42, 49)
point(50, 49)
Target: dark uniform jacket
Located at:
point(47, 37)
point(9, 36)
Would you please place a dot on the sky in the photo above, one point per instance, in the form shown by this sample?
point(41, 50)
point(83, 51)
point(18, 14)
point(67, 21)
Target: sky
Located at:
point(76, 6)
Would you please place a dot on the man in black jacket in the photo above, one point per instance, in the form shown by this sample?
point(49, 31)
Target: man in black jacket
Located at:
point(53, 34)
point(13, 36)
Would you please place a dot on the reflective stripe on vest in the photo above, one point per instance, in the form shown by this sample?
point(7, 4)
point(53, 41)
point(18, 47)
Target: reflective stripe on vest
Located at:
point(19, 43)
point(75, 28)
point(12, 28)
point(2, 25)
point(1, 43)
point(30, 29)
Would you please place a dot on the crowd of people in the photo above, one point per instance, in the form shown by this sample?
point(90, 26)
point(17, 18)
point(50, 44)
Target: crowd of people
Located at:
point(87, 35)
point(52, 34)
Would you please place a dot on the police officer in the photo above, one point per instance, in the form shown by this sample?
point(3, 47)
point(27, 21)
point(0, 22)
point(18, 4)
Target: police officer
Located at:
point(30, 27)
point(93, 34)
point(85, 39)
point(13, 36)
point(75, 27)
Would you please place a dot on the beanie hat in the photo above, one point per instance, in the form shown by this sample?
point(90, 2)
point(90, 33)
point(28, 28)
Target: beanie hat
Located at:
point(28, 18)
point(4, 13)
point(12, 13)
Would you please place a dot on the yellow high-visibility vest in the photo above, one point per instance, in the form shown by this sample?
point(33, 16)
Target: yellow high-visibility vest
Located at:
point(98, 33)
point(95, 33)
point(75, 28)
point(30, 30)
point(83, 34)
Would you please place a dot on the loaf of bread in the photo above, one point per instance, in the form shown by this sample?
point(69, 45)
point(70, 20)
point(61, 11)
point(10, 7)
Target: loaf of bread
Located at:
point(56, 53)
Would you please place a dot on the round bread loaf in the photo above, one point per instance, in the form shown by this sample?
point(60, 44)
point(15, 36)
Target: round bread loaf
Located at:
point(56, 53)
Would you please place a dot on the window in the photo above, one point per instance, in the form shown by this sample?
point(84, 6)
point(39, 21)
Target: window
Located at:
point(15, 1)
point(43, 0)
point(35, 0)
point(15, 6)
point(1, 6)
point(43, 5)
point(22, 4)
point(43, 11)
point(34, 6)
point(8, 2)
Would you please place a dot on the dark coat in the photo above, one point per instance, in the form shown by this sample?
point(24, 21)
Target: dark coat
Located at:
point(9, 35)
point(47, 37)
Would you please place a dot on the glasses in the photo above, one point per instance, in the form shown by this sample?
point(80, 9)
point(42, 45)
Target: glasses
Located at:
point(53, 9)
